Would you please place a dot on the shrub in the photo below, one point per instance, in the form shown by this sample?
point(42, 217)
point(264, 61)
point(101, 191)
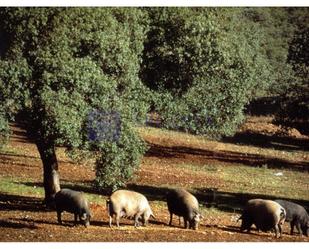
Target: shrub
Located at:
point(118, 160)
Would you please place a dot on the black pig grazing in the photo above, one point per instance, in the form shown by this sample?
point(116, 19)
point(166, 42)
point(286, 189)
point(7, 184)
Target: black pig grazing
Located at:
point(296, 215)
point(72, 202)
point(180, 202)
point(264, 214)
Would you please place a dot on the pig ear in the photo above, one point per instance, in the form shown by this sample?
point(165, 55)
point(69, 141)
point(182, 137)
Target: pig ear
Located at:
point(84, 216)
point(198, 215)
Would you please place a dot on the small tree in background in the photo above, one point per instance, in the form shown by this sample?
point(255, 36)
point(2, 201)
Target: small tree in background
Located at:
point(61, 64)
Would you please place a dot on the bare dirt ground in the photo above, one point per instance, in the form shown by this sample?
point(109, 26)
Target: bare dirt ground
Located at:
point(24, 218)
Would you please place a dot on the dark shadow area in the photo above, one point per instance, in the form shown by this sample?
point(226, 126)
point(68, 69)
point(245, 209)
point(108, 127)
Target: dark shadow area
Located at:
point(269, 141)
point(99, 223)
point(65, 222)
point(26, 203)
point(156, 222)
point(263, 106)
point(20, 135)
point(234, 202)
point(9, 224)
point(254, 160)
point(10, 157)
point(24, 164)
point(33, 221)
point(7, 156)
point(84, 186)
point(152, 193)
point(253, 232)
point(224, 201)
point(20, 164)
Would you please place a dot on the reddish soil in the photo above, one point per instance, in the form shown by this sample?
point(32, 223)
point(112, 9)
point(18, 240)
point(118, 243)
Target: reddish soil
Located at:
point(24, 218)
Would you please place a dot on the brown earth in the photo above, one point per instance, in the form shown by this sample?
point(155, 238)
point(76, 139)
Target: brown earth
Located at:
point(24, 218)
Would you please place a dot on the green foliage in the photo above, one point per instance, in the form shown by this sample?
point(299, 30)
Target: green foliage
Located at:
point(12, 95)
point(66, 62)
point(276, 31)
point(294, 110)
point(205, 65)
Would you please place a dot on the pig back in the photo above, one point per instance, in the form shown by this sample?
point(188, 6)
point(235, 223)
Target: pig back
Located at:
point(264, 213)
point(71, 201)
point(293, 211)
point(128, 201)
point(181, 203)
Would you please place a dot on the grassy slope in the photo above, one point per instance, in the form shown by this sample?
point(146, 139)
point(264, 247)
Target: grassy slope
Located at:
point(256, 178)
point(232, 178)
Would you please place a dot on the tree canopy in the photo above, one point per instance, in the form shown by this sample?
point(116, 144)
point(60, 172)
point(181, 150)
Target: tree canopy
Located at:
point(206, 63)
point(61, 64)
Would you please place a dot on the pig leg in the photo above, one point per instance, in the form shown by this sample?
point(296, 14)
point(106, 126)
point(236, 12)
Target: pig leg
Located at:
point(298, 228)
point(278, 231)
point(136, 217)
point(292, 224)
point(117, 219)
point(59, 217)
point(110, 220)
point(186, 223)
point(75, 219)
point(171, 219)
point(135, 221)
point(145, 221)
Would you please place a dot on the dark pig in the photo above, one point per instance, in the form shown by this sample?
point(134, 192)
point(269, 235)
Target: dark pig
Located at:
point(183, 204)
point(73, 202)
point(297, 216)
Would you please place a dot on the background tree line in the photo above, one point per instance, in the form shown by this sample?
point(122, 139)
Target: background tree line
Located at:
point(85, 77)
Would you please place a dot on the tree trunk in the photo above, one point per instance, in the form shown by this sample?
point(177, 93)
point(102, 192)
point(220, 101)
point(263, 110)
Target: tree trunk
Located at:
point(50, 170)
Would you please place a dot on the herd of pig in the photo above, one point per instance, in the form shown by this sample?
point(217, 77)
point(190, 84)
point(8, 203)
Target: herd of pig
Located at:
point(266, 215)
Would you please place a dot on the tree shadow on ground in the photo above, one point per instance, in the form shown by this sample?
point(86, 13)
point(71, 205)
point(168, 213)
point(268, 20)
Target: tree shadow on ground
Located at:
point(268, 141)
point(39, 221)
point(152, 193)
point(6, 156)
point(224, 201)
point(20, 135)
point(65, 222)
point(234, 202)
point(12, 224)
point(9, 155)
point(253, 231)
point(226, 156)
point(26, 203)
point(84, 186)
point(99, 223)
